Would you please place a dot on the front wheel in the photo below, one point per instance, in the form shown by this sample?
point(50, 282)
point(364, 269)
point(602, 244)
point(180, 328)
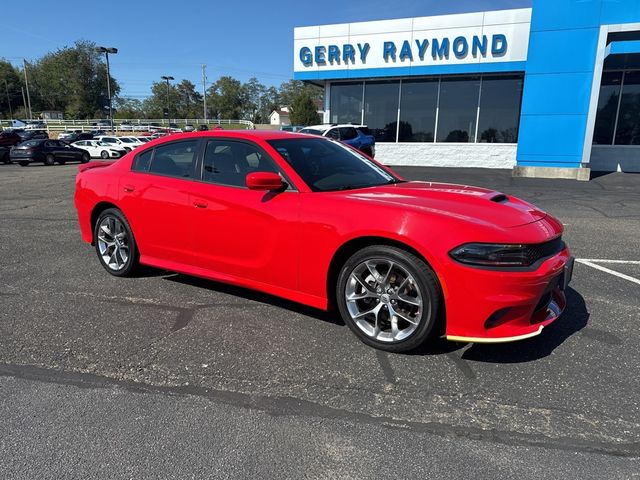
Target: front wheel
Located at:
point(85, 158)
point(49, 160)
point(388, 297)
point(104, 154)
point(115, 245)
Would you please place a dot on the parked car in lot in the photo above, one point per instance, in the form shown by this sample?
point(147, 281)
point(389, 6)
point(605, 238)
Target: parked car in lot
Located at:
point(100, 149)
point(203, 127)
point(9, 138)
point(117, 141)
point(189, 127)
point(135, 142)
point(144, 139)
point(357, 136)
point(68, 133)
point(32, 134)
point(47, 152)
point(74, 137)
point(4, 155)
point(126, 126)
point(314, 221)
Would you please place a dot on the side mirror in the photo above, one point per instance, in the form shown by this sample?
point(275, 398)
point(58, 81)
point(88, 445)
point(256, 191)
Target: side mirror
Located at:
point(264, 181)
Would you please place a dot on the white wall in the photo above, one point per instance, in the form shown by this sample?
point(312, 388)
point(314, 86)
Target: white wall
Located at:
point(483, 155)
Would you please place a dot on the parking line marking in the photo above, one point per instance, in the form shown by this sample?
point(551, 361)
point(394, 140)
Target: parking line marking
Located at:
point(604, 260)
point(607, 270)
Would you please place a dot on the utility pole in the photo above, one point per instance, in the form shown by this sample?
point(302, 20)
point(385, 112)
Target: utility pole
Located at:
point(24, 100)
point(167, 78)
point(107, 51)
point(204, 92)
point(6, 85)
point(26, 82)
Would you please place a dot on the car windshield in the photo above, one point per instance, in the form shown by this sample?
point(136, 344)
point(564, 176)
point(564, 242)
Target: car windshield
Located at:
point(103, 144)
point(312, 131)
point(126, 140)
point(326, 165)
point(31, 143)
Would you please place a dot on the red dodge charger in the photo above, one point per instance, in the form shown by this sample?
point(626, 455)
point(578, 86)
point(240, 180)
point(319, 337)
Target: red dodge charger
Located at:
point(315, 221)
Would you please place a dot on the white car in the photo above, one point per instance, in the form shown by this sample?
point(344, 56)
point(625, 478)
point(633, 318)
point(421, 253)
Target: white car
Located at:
point(122, 142)
point(100, 149)
point(135, 141)
point(144, 139)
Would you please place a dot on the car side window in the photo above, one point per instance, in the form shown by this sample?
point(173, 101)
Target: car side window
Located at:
point(49, 144)
point(333, 133)
point(174, 159)
point(348, 133)
point(227, 162)
point(142, 161)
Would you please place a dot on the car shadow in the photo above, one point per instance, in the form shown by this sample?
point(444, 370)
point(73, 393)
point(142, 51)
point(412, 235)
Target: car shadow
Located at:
point(574, 319)
point(329, 317)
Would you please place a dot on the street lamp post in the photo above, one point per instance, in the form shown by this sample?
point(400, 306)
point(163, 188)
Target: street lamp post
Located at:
point(107, 51)
point(167, 78)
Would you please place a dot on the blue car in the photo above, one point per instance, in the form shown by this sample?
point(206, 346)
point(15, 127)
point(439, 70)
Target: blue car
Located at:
point(358, 136)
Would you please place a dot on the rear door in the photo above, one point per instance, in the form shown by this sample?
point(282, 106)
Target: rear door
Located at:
point(155, 197)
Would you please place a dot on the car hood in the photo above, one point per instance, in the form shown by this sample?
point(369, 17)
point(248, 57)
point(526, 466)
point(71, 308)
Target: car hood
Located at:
point(463, 202)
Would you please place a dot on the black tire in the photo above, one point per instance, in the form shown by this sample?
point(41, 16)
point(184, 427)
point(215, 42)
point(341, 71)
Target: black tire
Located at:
point(131, 265)
point(49, 160)
point(24, 164)
point(85, 158)
point(104, 154)
point(6, 159)
point(426, 282)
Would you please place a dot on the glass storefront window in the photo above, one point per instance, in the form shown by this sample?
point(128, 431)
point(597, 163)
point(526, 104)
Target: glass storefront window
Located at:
point(418, 102)
point(607, 108)
point(500, 99)
point(628, 129)
point(346, 103)
point(381, 109)
point(458, 109)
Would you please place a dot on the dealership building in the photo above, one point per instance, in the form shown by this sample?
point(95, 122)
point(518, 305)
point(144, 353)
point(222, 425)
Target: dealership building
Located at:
point(550, 91)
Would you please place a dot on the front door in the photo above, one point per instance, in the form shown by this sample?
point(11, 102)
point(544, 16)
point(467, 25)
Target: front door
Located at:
point(239, 232)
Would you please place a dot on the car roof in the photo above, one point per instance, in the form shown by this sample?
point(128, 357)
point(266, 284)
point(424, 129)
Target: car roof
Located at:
point(241, 134)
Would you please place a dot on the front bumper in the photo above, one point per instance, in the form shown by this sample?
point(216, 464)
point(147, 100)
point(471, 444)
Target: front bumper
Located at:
point(493, 306)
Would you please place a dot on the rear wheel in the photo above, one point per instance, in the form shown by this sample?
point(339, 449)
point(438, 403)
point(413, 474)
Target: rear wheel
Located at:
point(85, 158)
point(104, 154)
point(115, 245)
point(49, 160)
point(388, 297)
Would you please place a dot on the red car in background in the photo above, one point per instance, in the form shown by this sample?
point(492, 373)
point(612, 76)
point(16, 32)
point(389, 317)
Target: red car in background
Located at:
point(315, 221)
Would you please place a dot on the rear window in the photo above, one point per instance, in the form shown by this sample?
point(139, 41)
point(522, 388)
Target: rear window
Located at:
point(364, 130)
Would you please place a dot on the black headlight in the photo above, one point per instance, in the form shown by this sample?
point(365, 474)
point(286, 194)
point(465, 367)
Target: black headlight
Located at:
point(492, 255)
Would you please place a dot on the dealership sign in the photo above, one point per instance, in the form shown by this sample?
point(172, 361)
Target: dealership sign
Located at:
point(337, 51)
point(440, 49)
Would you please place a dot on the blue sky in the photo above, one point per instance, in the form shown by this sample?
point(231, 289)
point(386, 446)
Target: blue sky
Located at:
point(238, 38)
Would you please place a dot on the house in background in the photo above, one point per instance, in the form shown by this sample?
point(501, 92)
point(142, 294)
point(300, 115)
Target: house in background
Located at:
point(51, 115)
point(280, 116)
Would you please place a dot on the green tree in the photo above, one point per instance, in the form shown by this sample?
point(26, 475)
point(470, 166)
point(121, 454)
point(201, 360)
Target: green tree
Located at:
point(253, 95)
point(303, 110)
point(10, 93)
point(226, 98)
point(189, 101)
point(161, 98)
point(127, 108)
point(290, 90)
point(71, 79)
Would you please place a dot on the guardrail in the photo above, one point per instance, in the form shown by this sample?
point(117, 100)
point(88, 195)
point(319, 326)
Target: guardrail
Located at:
point(132, 125)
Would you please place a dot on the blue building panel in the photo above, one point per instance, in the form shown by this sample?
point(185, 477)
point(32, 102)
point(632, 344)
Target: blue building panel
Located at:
point(562, 51)
point(565, 14)
point(551, 136)
point(556, 93)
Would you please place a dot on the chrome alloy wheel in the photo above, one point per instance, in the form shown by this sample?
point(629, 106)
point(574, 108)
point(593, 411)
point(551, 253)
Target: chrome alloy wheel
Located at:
point(113, 243)
point(384, 300)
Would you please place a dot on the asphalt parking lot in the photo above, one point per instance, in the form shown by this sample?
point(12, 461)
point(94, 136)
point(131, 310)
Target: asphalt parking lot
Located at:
point(168, 375)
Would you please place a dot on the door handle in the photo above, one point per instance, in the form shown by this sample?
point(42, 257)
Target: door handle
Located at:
point(129, 188)
point(200, 204)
